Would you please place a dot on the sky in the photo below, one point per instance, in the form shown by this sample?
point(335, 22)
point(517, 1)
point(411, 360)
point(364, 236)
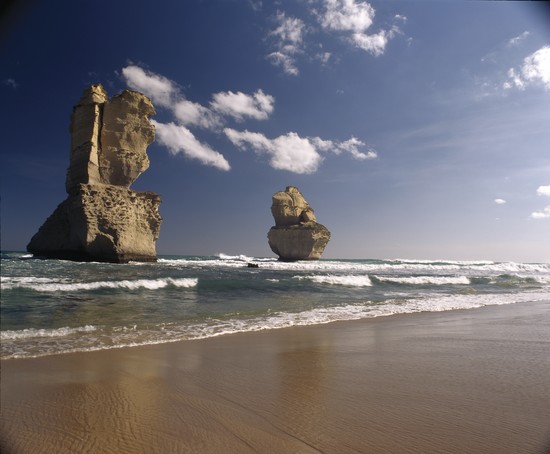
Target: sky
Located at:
point(414, 129)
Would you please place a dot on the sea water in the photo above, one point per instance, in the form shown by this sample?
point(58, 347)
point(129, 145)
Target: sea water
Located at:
point(56, 306)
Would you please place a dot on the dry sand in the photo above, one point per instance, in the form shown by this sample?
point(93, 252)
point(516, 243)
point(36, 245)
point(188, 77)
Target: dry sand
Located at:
point(475, 381)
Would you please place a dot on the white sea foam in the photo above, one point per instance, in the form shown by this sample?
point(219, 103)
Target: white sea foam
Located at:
point(167, 332)
point(32, 333)
point(424, 280)
point(241, 257)
point(402, 266)
point(150, 284)
point(350, 281)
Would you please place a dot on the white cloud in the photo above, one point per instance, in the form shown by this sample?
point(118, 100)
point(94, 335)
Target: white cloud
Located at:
point(240, 105)
point(373, 44)
point(161, 90)
point(518, 39)
point(542, 214)
point(535, 70)
point(294, 153)
point(178, 139)
point(544, 191)
point(289, 35)
point(355, 18)
point(346, 15)
point(500, 201)
point(192, 113)
point(287, 152)
point(350, 146)
point(175, 135)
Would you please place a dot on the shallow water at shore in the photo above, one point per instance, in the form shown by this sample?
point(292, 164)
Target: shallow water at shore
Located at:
point(54, 306)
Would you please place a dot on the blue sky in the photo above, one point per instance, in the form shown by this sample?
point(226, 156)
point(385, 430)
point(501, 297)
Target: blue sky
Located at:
point(415, 129)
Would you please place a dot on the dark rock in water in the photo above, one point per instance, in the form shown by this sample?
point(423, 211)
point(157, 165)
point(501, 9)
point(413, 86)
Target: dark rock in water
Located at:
point(252, 265)
point(296, 234)
point(102, 219)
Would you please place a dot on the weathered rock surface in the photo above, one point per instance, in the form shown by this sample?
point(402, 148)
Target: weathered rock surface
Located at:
point(296, 234)
point(102, 219)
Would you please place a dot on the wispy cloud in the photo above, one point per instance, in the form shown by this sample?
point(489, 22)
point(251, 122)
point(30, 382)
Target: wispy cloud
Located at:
point(161, 90)
point(349, 19)
point(500, 201)
point(289, 40)
point(518, 39)
point(238, 105)
point(179, 139)
point(10, 83)
point(535, 70)
point(294, 153)
point(176, 135)
point(288, 151)
point(353, 19)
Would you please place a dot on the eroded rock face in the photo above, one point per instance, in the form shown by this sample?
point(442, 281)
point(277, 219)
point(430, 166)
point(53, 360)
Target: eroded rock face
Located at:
point(102, 219)
point(296, 234)
point(109, 138)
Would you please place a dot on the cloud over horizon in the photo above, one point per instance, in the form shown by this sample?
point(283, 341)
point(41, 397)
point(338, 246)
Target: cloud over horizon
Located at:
point(543, 191)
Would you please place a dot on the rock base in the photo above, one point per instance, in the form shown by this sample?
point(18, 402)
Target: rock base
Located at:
point(306, 241)
point(101, 223)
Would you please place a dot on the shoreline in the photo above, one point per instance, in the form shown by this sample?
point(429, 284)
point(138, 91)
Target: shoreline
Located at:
point(472, 380)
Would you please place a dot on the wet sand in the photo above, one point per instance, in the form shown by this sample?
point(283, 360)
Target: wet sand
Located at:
point(475, 381)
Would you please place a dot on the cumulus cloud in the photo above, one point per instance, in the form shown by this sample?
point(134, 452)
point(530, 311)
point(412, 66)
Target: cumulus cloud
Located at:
point(294, 153)
point(542, 214)
point(238, 105)
point(176, 135)
point(354, 18)
point(161, 90)
point(544, 191)
point(289, 39)
point(288, 151)
point(178, 139)
point(500, 201)
point(535, 70)
point(192, 113)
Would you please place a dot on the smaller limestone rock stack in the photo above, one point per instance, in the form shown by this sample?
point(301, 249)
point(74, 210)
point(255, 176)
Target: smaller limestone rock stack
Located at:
point(102, 219)
point(296, 235)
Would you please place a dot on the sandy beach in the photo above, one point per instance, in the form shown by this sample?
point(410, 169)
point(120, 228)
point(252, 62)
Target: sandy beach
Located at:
point(469, 381)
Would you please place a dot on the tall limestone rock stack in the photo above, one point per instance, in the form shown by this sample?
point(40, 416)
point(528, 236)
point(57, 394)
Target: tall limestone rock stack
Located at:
point(296, 234)
point(102, 219)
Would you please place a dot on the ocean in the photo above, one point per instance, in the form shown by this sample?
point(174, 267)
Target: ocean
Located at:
point(55, 306)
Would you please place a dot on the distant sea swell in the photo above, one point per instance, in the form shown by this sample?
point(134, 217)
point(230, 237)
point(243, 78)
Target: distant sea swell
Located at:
point(54, 306)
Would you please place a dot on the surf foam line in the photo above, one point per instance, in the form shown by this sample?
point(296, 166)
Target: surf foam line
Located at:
point(425, 280)
point(31, 333)
point(168, 333)
point(349, 281)
point(149, 284)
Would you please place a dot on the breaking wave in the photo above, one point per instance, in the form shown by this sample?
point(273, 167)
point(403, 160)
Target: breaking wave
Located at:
point(425, 280)
point(49, 285)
